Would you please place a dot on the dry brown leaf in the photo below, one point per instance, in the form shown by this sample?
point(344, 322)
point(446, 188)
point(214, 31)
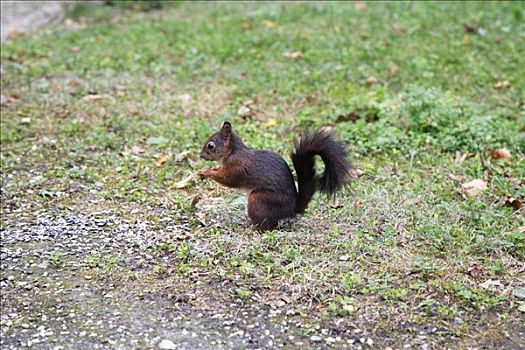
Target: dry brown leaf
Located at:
point(502, 84)
point(509, 201)
point(93, 98)
point(293, 55)
point(359, 5)
point(392, 71)
point(286, 299)
point(163, 159)
point(352, 116)
point(62, 113)
point(474, 187)
point(132, 110)
point(397, 28)
point(501, 153)
point(335, 205)
point(75, 49)
point(196, 199)
point(7, 99)
point(188, 180)
point(371, 80)
point(519, 229)
point(475, 270)
point(137, 151)
point(247, 109)
point(269, 24)
point(470, 28)
point(246, 25)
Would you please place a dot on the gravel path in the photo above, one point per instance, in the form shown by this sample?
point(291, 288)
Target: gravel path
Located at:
point(78, 281)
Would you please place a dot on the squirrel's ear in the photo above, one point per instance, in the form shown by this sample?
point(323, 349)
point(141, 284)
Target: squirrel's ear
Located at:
point(226, 129)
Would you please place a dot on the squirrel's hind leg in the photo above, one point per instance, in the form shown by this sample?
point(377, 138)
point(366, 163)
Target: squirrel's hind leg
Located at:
point(265, 210)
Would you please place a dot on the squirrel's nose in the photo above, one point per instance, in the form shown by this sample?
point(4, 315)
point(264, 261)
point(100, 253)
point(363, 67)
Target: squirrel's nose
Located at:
point(204, 155)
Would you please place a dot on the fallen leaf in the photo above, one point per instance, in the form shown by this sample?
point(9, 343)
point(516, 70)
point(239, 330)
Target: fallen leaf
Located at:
point(502, 84)
point(269, 24)
point(184, 182)
point(167, 86)
point(25, 121)
point(359, 5)
point(519, 229)
point(246, 25)
point(163, 159)
point(247, 109)
point(157, 140)
point(396, 28)
point(371, 80)
point(120, 90)
point(356, 173)
point(75, 49)
point(271, 122)
point(62, 113)
point(501, 153)
point(356, 203)
point(132, 110)
point(196, 199)
point(137, 151)
point(7, 99)
point(286, 299)
point(475, 270)
point(335, 205)
point(93, 97)
point(352, 116)
point(474, 187)
point(509, 201)
point(293, 55)
point(470, 28)
point(392, 71)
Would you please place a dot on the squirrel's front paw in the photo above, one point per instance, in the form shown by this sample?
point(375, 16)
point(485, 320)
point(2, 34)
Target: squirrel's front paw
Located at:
point(204, 172)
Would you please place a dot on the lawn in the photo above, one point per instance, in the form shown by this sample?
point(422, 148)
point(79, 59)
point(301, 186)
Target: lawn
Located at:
point(109, 241)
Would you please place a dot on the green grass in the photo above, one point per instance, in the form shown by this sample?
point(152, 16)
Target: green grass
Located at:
point(98, 102)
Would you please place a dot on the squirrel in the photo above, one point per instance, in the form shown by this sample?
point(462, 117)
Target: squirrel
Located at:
point(265, 175)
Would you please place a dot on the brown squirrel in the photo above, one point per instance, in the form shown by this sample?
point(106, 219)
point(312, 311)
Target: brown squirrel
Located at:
point(268, 179)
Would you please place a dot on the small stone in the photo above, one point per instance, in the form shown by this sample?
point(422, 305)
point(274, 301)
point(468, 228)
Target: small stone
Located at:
point(166, 344)
point(330, 340)
point(369, 342)
point(316, 338)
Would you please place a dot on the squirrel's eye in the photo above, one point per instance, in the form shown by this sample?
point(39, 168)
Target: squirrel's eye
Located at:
point(211, 145)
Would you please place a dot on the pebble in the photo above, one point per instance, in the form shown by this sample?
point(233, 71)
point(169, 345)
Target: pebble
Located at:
point(166, 344)
point(316, 338)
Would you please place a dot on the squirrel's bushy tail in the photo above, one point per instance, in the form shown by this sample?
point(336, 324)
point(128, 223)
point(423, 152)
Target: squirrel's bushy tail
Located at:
point(336, 167)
